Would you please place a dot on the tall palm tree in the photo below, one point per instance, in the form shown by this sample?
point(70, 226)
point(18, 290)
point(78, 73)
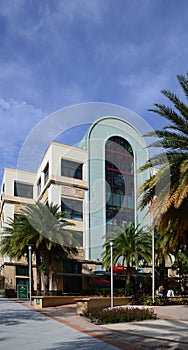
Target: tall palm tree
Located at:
point(130, 243)
point(169, 186)
point(18, 234)
point(54, 238)
point(43, 227)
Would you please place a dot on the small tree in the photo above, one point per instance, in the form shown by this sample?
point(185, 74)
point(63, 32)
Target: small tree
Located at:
point(130, 243)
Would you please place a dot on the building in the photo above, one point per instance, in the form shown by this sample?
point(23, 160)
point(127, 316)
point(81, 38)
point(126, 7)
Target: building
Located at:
point(96, 185)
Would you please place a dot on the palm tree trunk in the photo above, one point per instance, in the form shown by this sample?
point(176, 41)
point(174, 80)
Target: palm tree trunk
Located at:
point(38, 263)
point(46, 283)
point(128, 276)
point(45, 268)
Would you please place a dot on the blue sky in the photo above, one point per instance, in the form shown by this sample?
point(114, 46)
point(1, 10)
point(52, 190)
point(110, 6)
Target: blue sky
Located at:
point(58, 53)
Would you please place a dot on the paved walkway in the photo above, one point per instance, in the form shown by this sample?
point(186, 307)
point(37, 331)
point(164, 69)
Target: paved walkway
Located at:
point(169, 331)
point(24, 329)
point(60, 328)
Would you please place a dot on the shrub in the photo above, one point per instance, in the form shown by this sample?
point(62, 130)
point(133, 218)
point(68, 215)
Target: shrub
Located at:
point(148, 301)
point(103, 291)
point(138, 299)
point(119, 314)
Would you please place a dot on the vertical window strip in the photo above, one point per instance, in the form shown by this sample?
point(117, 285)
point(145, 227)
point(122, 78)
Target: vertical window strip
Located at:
point(120, 178)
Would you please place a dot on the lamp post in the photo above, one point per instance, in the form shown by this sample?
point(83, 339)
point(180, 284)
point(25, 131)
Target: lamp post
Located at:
point(111, 265)
point(30, 273)
point(153, 249)
point(153, 264)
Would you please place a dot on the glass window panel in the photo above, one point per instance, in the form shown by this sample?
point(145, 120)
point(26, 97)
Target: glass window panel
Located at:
point(23, 190)
point(72, 209)
point(71, 169)
point(123, 201)
point(119, 176)
point(130, 201)
point(39, 186)
point(109, 198)
point(46, 173)
point(116, 199)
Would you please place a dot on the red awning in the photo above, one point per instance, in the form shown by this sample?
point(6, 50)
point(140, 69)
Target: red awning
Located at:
point(118, 268)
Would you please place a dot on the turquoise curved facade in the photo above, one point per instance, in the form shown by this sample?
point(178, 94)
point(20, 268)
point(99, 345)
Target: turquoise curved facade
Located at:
point(95, 210)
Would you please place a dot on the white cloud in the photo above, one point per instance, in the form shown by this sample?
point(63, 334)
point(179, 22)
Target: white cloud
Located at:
point(17, 119)
point(4, 105)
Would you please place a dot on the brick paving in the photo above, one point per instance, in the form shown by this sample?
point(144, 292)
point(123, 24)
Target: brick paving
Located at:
point(169, 331)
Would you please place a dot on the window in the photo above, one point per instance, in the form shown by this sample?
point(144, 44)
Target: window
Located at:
point(23, 190)
point(39, 186)
point(73, 209)
point(120, 179)
point(17, 217)
point(22, 270)
point(71, 169)
point(46, 173)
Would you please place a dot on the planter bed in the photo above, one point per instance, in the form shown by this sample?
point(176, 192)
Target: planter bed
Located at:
point(47, 301)
point(85, 304)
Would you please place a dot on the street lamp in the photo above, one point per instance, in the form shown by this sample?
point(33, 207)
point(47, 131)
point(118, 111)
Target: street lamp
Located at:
point(30, 274)
point(111, 265)
point(153, 264)
point(153, 248)
point(153, 252)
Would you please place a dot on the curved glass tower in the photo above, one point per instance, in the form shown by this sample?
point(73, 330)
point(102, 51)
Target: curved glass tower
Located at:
point(119, 173)
point(115, 152)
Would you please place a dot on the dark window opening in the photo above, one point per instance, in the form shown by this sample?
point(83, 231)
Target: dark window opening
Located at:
point(72, 284)
point(39, 186)
point(71, 169)
point(23, 190)
point(72, 209)
point(22, 270)
point(46, 173)
point(17, 217)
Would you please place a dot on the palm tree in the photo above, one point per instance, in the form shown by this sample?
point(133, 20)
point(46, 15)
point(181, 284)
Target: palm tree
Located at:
point(54, 239)
point(169, 186)
point(130, 243)
point(44, 227)
point(18, 234)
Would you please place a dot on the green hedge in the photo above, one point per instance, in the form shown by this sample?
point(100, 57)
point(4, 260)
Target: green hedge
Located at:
point(145, 300)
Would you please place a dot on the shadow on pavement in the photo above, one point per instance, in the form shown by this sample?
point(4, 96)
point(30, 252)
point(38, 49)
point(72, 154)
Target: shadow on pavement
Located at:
point(11, 317)
point(82, 343)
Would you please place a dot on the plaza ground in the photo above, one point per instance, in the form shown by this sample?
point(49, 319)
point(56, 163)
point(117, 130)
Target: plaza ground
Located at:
point(60, 327)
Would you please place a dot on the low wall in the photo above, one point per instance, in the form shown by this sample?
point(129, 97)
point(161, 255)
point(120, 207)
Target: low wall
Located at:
point(84, 304)
point(47, 301)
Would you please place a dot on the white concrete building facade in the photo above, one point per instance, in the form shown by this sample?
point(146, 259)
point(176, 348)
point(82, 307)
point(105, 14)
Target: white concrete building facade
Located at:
point(95, 183)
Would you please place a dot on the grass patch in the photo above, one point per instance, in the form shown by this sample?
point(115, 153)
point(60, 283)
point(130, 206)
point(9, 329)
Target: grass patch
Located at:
point(119, 314)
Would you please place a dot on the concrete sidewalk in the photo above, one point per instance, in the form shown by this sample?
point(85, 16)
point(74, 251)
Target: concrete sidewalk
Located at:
point(60, 328)
point(169, 331)
point(25, 329)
